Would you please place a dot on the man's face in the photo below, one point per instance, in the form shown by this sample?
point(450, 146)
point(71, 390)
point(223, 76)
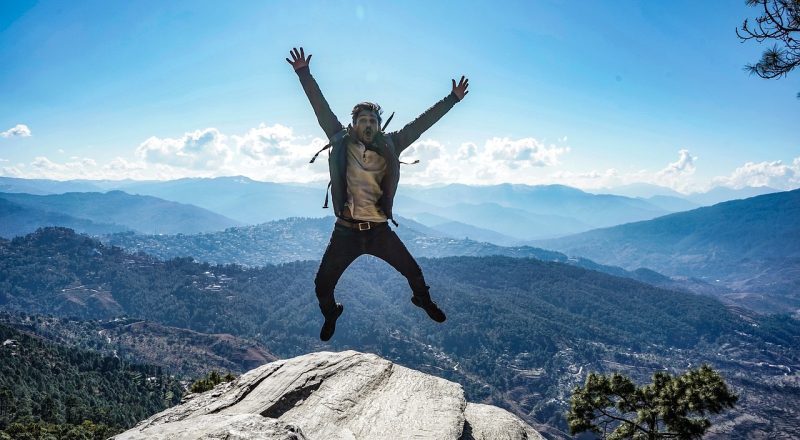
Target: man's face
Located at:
point(366, 126)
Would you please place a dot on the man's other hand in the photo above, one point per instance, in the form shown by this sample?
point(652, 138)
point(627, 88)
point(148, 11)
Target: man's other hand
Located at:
point(460, 90)
point(299, 59)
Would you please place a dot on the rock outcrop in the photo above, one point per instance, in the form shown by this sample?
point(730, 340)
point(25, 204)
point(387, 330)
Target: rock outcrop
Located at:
point(328, 396)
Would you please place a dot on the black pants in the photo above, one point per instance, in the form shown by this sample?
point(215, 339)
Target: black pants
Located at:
point(348, 244)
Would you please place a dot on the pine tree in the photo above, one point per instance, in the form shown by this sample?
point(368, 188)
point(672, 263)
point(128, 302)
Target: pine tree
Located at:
point(670, 407)
point(779, 22)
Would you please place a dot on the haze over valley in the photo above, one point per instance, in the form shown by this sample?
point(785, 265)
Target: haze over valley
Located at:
point(217, 287)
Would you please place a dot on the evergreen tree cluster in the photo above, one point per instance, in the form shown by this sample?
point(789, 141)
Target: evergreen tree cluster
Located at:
point(671, 407)
point(211, 380)
point(52, 391)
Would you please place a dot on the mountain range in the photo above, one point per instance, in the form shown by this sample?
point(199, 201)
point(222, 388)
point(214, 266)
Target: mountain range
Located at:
point(105, 212)
point(525, 325)
point(295, 239)
point(750, 245)
point(713, 196)
point(17, 219)
point(521, 332)
point(755, 281)
point(503, 214)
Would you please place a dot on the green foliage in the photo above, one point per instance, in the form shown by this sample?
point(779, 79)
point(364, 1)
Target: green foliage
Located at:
point(670, 407)
point(779, 23)
point(210, 381)
point(39, 430)
point(51, 391)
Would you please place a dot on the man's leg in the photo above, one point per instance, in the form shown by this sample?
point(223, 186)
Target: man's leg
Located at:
point(387, 246)
point(342, 250)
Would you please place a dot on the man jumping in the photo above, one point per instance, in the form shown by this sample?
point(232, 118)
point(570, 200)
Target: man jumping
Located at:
point(364, 166)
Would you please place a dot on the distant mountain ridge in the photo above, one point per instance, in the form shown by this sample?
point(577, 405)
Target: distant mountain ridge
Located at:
point(713, 196)
point(297, 239)
point(519, 212)
point(521, 333)
point(751, 245)
point(111, 210)
point(551, 210)
point(527, 212)
point(17, 219)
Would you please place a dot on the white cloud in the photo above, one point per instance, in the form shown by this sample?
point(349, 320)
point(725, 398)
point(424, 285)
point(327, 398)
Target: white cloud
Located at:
point(590, 175)
point(594, 179)
point(275, 153)
point(270, 153)
point(42, 167)
point(76, 168)
point(199, 150)
point(19, 130)
point(426, 150)
point(684, 165)
point(43, 163)
point(521, 152)
point(265, 142)
point(676, 174)
point(775, 174)
point(498, 160)
point(13, 172)
point(122, 165)
point(467, 150)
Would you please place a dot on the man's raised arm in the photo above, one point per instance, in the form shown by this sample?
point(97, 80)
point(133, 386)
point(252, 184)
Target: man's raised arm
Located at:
point(414, 129)
point(327, 120)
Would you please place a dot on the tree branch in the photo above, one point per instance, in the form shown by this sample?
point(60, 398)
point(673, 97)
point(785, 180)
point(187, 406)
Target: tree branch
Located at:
point(620, 419)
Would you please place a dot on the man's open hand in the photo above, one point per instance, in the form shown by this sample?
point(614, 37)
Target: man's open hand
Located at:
point(460, 90)
point(299, 59)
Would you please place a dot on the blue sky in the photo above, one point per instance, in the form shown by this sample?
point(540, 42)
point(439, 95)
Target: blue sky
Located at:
point(587, 93)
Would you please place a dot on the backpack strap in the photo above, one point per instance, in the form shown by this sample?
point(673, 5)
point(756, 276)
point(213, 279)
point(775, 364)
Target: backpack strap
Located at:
point(387, 122)
point(327, 190)
point(318, 152)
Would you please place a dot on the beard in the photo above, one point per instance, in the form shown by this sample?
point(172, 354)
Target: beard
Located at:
point(367, 135)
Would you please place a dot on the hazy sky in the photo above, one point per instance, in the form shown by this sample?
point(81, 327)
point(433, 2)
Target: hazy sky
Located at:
point(585, 93)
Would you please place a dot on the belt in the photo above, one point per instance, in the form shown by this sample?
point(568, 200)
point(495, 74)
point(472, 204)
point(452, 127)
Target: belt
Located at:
point(358, 225)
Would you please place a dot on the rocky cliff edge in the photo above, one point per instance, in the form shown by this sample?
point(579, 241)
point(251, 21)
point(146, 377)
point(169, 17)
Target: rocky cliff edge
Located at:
point(331, 396)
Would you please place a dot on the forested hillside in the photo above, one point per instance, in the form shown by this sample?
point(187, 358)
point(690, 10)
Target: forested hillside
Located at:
point(520, 332)
point(293, 239)
point(53, 391)
point(750, 245)
point(186, 354)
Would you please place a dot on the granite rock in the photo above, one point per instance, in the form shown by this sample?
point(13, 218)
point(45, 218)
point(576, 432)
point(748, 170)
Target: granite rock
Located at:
point(346, 395)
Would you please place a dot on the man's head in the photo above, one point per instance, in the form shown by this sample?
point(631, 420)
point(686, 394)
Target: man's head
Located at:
point(366, 121)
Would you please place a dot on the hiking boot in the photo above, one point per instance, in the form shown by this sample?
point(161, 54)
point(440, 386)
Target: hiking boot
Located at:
point(330, 323)
point(430, 308)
